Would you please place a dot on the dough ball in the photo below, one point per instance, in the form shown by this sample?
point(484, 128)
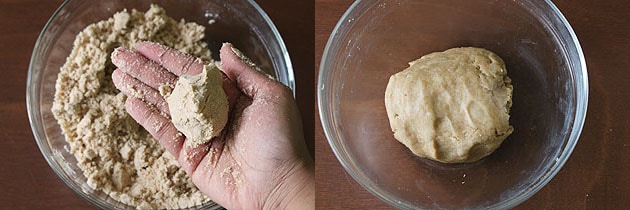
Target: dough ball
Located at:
point(451, 106)
point(198, 105)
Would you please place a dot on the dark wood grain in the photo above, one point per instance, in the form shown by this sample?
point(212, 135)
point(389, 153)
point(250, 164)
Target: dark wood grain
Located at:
point(26, 180)
point(595, 177)
point(335, 189)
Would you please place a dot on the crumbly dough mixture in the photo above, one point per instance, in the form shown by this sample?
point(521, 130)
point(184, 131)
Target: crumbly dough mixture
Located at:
point(199, 106)
point(116, 154)
point(451, 106)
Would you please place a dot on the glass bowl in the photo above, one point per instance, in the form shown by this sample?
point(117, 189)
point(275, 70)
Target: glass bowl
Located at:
point(375, 39)
point(241, 22)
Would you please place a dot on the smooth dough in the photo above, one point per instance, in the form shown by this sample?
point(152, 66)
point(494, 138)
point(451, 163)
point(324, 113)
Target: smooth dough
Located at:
point(198, 105)
point(451, 106)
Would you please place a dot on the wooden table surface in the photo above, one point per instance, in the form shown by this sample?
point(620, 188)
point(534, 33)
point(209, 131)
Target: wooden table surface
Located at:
point(26, 180)
point(595, 176)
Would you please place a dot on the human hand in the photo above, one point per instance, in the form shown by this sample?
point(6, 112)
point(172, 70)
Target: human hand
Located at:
point(260, 159)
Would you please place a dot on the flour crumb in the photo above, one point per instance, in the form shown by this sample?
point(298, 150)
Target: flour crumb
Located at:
point(135, 92)
point(165, 90)
point(232, 177)
point(176, 137)
point(212, 17)
point(212, 158)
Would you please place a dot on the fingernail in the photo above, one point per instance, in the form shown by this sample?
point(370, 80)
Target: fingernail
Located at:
point(120, 56)
point(145, 43)
point(115, 53)
point(116, 60)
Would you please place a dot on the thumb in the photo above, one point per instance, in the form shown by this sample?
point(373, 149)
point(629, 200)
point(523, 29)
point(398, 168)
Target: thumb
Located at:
point(240, 69)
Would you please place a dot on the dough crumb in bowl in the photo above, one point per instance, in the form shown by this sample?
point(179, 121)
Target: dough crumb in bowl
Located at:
point(115, 154)
point(451, 106)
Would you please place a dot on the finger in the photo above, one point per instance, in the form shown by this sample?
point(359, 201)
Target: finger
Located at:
point(159, 127)
point(252, 83)
point(175, 61)
point(132, 87)
point(142, 68)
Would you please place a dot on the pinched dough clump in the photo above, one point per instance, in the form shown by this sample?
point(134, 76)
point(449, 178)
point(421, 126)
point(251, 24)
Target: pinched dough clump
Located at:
point(199, 106)
point(451, 106)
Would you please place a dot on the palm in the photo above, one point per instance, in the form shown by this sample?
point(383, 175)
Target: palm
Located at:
point(247, 153)
point(261, 145)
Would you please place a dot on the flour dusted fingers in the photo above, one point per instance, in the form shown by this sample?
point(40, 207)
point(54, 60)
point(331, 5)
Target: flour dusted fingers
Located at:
point(143, 69)
point(175, 61)
point(134, 88)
